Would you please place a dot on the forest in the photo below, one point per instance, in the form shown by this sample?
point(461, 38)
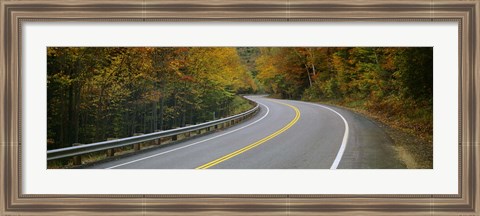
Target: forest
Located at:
point(98, 92)
point(372, 74)
point(95, 93)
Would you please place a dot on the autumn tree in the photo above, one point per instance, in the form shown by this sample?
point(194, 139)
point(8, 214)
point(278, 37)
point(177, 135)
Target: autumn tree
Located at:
point(95, 93)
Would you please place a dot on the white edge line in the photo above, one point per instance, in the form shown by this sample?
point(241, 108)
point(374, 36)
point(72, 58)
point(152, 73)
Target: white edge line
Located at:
point(339, 156)
point(172, 150)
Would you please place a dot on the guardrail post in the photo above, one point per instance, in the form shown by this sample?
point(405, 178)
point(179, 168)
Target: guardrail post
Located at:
point(174, 137)
point(111, 152)
point(137, 147)
point(77, 160)
point(159, 140)
point(188, 134)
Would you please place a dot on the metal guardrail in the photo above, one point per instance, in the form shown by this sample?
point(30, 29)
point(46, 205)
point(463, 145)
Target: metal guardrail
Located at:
point(117, 143)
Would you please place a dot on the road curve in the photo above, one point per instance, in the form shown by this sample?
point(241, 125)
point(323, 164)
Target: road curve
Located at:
point(285, 134)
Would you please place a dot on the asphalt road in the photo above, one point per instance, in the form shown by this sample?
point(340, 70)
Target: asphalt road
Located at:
point(285, 134)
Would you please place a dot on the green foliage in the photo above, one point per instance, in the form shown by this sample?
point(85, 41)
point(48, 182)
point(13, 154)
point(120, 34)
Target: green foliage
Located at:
point(414, 72)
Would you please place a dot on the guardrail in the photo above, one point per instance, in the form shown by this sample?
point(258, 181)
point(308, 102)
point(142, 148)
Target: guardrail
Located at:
point(109, 146)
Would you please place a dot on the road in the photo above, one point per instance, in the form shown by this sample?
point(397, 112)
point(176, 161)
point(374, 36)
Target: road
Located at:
point(285, 134)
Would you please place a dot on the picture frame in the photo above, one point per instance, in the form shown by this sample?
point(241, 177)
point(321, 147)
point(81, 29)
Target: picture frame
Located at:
point(13, 13)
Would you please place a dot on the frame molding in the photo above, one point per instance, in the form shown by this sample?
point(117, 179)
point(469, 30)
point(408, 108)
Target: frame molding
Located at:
point(14, 12)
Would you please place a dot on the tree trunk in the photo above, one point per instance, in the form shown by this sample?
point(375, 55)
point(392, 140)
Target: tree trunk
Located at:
point(308, 74)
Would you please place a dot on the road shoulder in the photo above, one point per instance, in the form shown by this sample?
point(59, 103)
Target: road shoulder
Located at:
point(406, 146)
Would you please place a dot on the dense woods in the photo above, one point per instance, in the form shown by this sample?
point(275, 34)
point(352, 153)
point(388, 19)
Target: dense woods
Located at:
point(348, 73)
point(394, 85)
point(98, 93)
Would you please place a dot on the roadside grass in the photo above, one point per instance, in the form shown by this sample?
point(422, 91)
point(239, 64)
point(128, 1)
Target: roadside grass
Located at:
point(410, 125)
point(240, 105)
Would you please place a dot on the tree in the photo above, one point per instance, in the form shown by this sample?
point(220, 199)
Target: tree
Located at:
point(95, 93)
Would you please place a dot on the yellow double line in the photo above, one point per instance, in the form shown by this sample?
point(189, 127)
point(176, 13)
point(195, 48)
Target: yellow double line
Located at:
point(257, 143)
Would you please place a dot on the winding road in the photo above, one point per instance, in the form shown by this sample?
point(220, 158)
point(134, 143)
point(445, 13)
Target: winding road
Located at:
point(285, 134)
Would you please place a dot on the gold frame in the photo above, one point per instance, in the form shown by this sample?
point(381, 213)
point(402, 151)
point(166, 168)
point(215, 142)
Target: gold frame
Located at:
point(14, 12)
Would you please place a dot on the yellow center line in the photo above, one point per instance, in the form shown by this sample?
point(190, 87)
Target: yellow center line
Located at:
point(257, 143)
